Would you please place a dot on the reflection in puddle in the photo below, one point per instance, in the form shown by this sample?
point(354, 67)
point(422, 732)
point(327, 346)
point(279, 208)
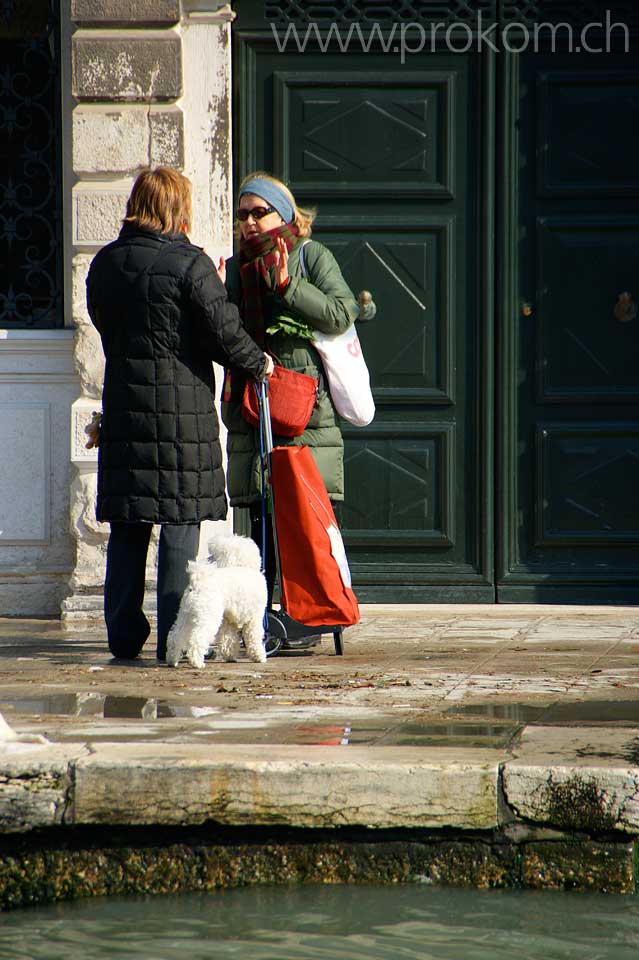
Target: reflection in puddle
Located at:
point(577, 711)
point(595, 711)
point(515, 712)
point(369, 730)
point(106, 706)
point(451, 733)
point(488, 725)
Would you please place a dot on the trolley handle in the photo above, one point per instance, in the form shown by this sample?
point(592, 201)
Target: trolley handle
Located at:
point(264, 406)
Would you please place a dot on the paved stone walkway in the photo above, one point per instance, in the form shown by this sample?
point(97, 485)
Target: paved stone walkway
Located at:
point(432, 717)
point(423, 675)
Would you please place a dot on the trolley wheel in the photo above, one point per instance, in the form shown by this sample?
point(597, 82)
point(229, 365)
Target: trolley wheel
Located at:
point(274, 634)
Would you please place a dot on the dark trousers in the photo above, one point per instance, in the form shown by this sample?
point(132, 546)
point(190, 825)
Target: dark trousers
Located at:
point(127, 626)
point(270, 571)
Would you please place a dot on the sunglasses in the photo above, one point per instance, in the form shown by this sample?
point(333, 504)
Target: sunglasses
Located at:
point(257, 213)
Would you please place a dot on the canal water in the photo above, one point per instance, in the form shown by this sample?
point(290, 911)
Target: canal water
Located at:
point(330, 923)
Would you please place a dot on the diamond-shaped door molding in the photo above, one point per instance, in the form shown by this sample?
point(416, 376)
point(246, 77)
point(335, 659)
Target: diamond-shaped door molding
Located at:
point(584, 354)
point(409, 269)
point(573, 162)
point(354, 134)
point(588, 476)
point(367, 136)
point(413, 464)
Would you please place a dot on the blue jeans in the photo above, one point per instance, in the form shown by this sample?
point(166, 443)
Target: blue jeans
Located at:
point(127, 626)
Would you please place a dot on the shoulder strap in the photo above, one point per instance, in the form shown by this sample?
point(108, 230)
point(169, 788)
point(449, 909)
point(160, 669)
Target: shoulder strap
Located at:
point(302, 260)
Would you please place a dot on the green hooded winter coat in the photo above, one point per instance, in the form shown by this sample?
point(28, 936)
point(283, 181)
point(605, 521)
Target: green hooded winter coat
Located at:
point(323, 301)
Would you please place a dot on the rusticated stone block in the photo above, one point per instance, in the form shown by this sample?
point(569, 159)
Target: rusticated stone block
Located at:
point(97, 215)
point(35, 785)
point(127, 68)
point(80, 269)
point(125, 139)
point(585, 799)
point(167, 138)
point(110, 12)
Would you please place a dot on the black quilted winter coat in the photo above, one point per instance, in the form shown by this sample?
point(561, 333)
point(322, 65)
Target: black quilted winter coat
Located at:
point(162, 313)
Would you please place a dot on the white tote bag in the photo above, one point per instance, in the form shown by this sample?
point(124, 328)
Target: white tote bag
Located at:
point(348, 378)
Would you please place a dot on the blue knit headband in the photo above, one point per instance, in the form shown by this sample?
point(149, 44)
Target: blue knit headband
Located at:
point(274, 196)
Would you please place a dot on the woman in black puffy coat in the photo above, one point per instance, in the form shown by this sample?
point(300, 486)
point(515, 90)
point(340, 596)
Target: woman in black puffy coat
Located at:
point(163, 317)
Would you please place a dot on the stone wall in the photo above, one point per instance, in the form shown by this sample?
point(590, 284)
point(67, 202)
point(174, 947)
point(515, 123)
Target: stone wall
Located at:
point(151, 85)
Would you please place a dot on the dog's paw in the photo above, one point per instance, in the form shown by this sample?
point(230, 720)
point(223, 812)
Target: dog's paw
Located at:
point(195, 661)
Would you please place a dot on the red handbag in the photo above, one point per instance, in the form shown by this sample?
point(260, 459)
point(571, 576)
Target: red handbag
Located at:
point(291, 395)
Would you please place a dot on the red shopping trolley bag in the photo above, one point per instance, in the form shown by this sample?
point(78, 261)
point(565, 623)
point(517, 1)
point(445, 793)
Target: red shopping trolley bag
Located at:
point(316, 580)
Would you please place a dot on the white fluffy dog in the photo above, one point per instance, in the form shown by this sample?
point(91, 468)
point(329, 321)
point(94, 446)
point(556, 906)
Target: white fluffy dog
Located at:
point(224, 602)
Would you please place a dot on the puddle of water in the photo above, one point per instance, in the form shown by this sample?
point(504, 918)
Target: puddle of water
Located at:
point(515, 712)
point(595, 711)
point(569, 711)
point(250, 728)
point(450, 733)
point(59, 704)
point(106, 706)
point(482, 725)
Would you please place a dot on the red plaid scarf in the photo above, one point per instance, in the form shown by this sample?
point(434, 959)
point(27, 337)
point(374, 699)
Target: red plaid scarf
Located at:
point(257, 257)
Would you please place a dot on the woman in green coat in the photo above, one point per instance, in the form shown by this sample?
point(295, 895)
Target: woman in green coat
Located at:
point(282, 300)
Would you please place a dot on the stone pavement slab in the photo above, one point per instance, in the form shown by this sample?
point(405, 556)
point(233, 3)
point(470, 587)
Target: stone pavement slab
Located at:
point(437, 715)
point(371, 787)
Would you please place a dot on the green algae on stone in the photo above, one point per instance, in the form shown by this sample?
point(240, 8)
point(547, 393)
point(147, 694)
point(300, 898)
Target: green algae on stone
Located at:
point(579, 804)
point(29, 875)
point(45, 876)
point(463, 864)
point(587, 865)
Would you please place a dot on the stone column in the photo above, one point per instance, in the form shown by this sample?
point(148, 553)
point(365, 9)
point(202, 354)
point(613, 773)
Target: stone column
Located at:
point(152, 84)
point(206, 56)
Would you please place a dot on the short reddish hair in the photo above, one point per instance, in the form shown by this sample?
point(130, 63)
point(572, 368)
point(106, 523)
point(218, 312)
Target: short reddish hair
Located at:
point(160, 200)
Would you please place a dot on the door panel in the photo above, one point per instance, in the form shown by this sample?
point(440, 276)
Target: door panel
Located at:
point(408, 266)
point(589, 121)
point(572, 447)
point(393, 159)
point(356, 134)
point(588, 354)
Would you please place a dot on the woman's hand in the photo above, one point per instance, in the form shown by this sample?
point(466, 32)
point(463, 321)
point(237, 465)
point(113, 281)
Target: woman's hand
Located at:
point(270, 366)
point(281, 262)
point(221, 269)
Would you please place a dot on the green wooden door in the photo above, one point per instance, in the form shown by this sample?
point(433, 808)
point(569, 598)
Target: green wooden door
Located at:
point(435, 179)
point(569, 516)
point(398, 161)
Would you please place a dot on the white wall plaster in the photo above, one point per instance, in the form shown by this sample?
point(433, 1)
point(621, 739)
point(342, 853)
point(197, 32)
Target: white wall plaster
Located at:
point(206, 104)
point(37, 387)
point(25, 490)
